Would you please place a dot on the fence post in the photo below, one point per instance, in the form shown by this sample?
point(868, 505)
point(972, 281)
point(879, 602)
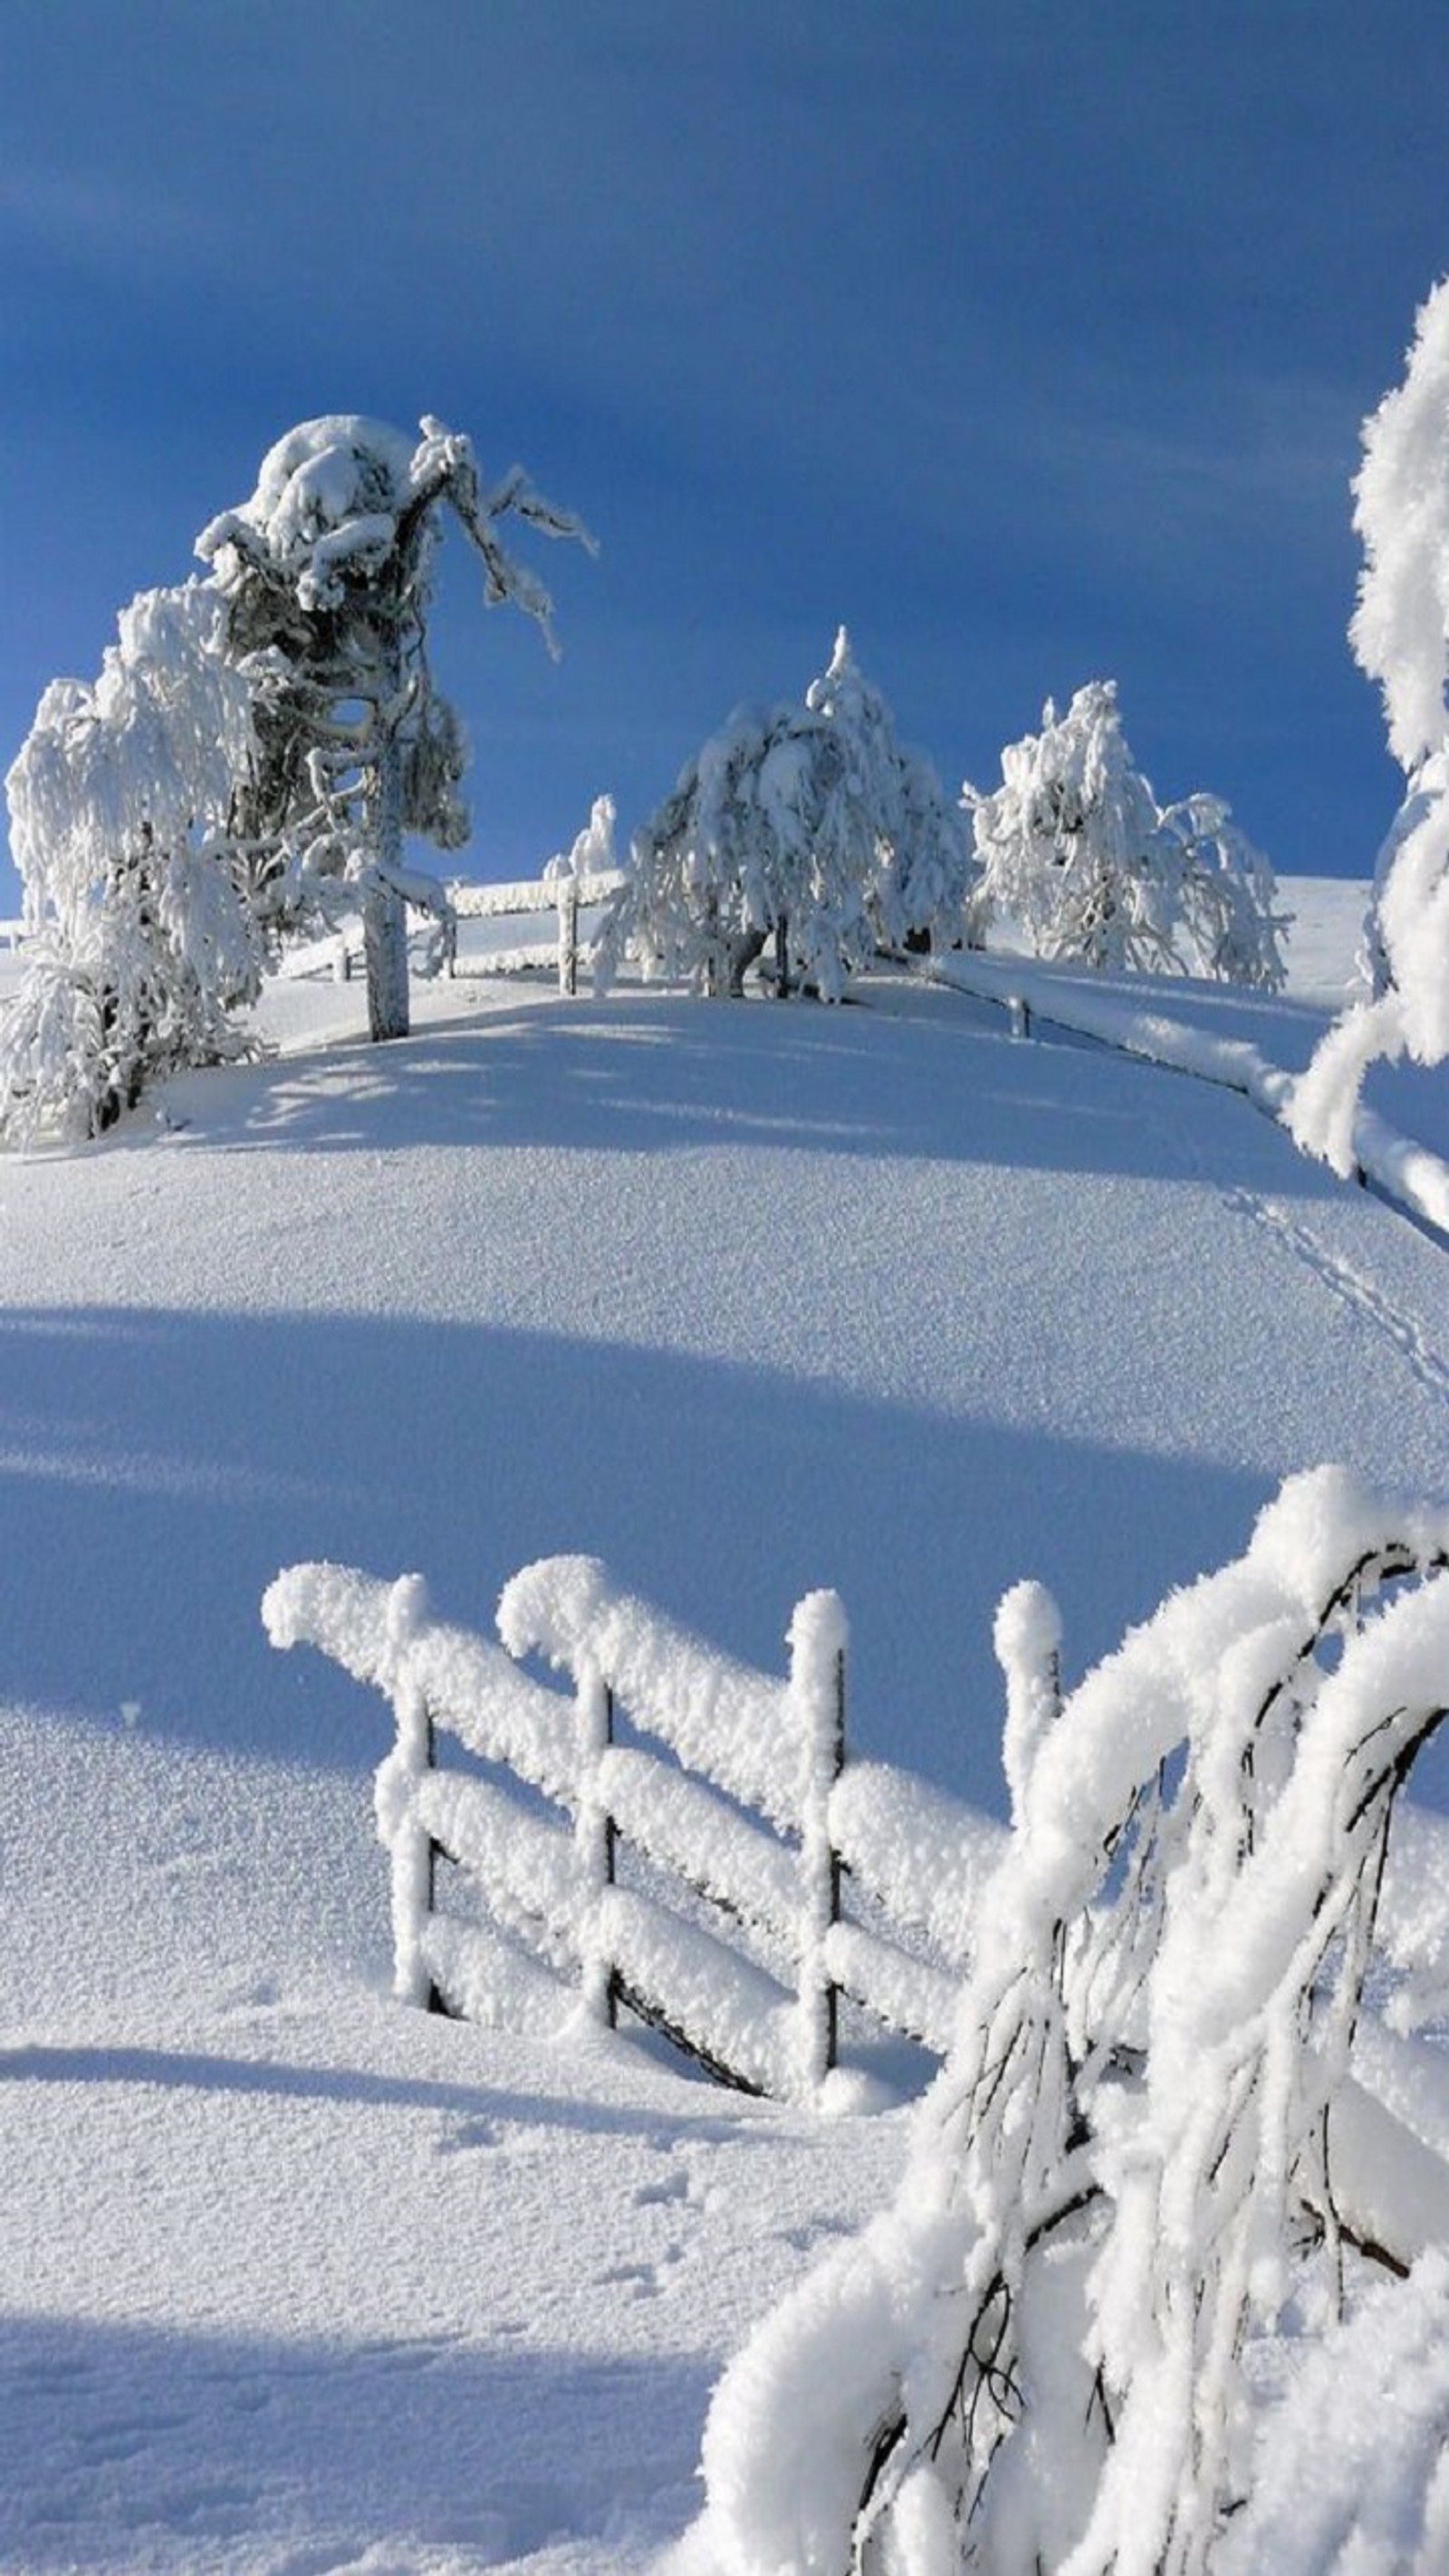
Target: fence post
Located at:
point(568, 937)
point(410, 1845)
point(1028, 1641)
point(594, 1844)
point(818, 1639)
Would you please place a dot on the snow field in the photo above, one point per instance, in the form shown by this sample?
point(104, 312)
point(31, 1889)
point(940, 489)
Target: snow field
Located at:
point(741, 1302)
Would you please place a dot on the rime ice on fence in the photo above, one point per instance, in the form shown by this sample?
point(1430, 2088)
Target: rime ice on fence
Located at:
point(723, 1719)
point(411, 1759)
point(725, 1749)
point(819, 1636)
point(594, 1836)
point(1028, 1638)
point(437, 1675)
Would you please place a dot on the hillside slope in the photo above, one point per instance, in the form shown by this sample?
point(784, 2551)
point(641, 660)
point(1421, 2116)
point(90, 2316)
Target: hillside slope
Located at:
point(743, 1301)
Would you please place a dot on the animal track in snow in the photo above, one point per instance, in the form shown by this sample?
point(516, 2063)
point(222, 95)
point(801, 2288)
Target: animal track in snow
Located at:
point(1359, 1295)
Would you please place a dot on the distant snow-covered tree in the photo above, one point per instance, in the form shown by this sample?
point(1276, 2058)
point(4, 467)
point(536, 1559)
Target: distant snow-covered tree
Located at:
point(122, 806)
point(326, 572)
point(808, 823)
point(885, 809)
point(1149, 2146)
point(1400, 635)
point(1069, 841)
point(1074, 847)
point(1230, 927)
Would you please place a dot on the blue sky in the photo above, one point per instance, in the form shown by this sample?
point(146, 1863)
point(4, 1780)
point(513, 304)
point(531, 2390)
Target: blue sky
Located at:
point(1029, 339)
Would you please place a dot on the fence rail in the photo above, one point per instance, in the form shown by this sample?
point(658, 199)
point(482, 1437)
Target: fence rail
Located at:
point(564, 898)
point(698, 1850)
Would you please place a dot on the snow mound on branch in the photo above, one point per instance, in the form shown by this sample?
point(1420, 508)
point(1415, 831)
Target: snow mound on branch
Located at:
point(1400, 628)
point(328, 499)
point(1400, 636)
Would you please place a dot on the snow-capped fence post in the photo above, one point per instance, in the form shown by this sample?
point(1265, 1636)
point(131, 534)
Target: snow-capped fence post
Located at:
point(819, 1635)
point(411, 1847)
point(595, 1843)
point(1028, 1640)
point(568, 937)
point(668, 1865)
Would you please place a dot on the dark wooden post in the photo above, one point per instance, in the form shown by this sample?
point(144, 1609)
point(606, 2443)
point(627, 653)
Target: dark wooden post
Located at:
point(568, 938)
point(436, 2000)
point(818, 1641)
point(596, 1843)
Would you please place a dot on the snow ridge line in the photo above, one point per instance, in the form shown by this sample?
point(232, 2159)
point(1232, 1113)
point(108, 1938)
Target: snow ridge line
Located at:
point(1409, 1177)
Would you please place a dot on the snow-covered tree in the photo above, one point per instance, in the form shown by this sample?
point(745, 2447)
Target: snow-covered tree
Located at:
point(808, 823)
point(326, 573)
point(1075, 849)
point(1400, 635)
point(884, 806)
point(122, 804)
point(1230, 928)
point(255, 748)
point(1149, 2144)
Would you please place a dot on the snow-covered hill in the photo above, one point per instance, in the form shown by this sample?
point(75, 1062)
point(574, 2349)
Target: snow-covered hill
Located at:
point(742, 1300)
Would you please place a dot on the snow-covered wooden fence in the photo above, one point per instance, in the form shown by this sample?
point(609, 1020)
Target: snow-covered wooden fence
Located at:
point(559, 901)
point(697, 1850)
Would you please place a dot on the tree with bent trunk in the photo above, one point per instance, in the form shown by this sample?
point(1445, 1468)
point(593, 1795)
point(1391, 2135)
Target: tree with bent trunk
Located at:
point(326, 572)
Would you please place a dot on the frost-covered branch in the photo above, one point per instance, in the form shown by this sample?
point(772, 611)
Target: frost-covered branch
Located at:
point(1147, 2138)
point(1400, 635)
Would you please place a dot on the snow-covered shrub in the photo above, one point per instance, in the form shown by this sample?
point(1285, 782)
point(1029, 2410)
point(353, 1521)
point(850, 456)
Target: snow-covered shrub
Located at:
point(1147, 2158)
point(1400, 635)
point(1230, 929)
point(121, 802)
point(326, 573)
point(806, 822)
point(1074, 847)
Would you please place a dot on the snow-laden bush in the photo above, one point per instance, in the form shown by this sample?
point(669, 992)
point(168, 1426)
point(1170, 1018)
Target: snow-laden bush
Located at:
point(1400, 635)
point(1147, 2165)
point(121, 803)
point(809, 823)
point(1075, 849)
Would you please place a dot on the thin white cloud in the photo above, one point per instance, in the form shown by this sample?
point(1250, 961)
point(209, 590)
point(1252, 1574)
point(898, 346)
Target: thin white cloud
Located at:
point(100, 221)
